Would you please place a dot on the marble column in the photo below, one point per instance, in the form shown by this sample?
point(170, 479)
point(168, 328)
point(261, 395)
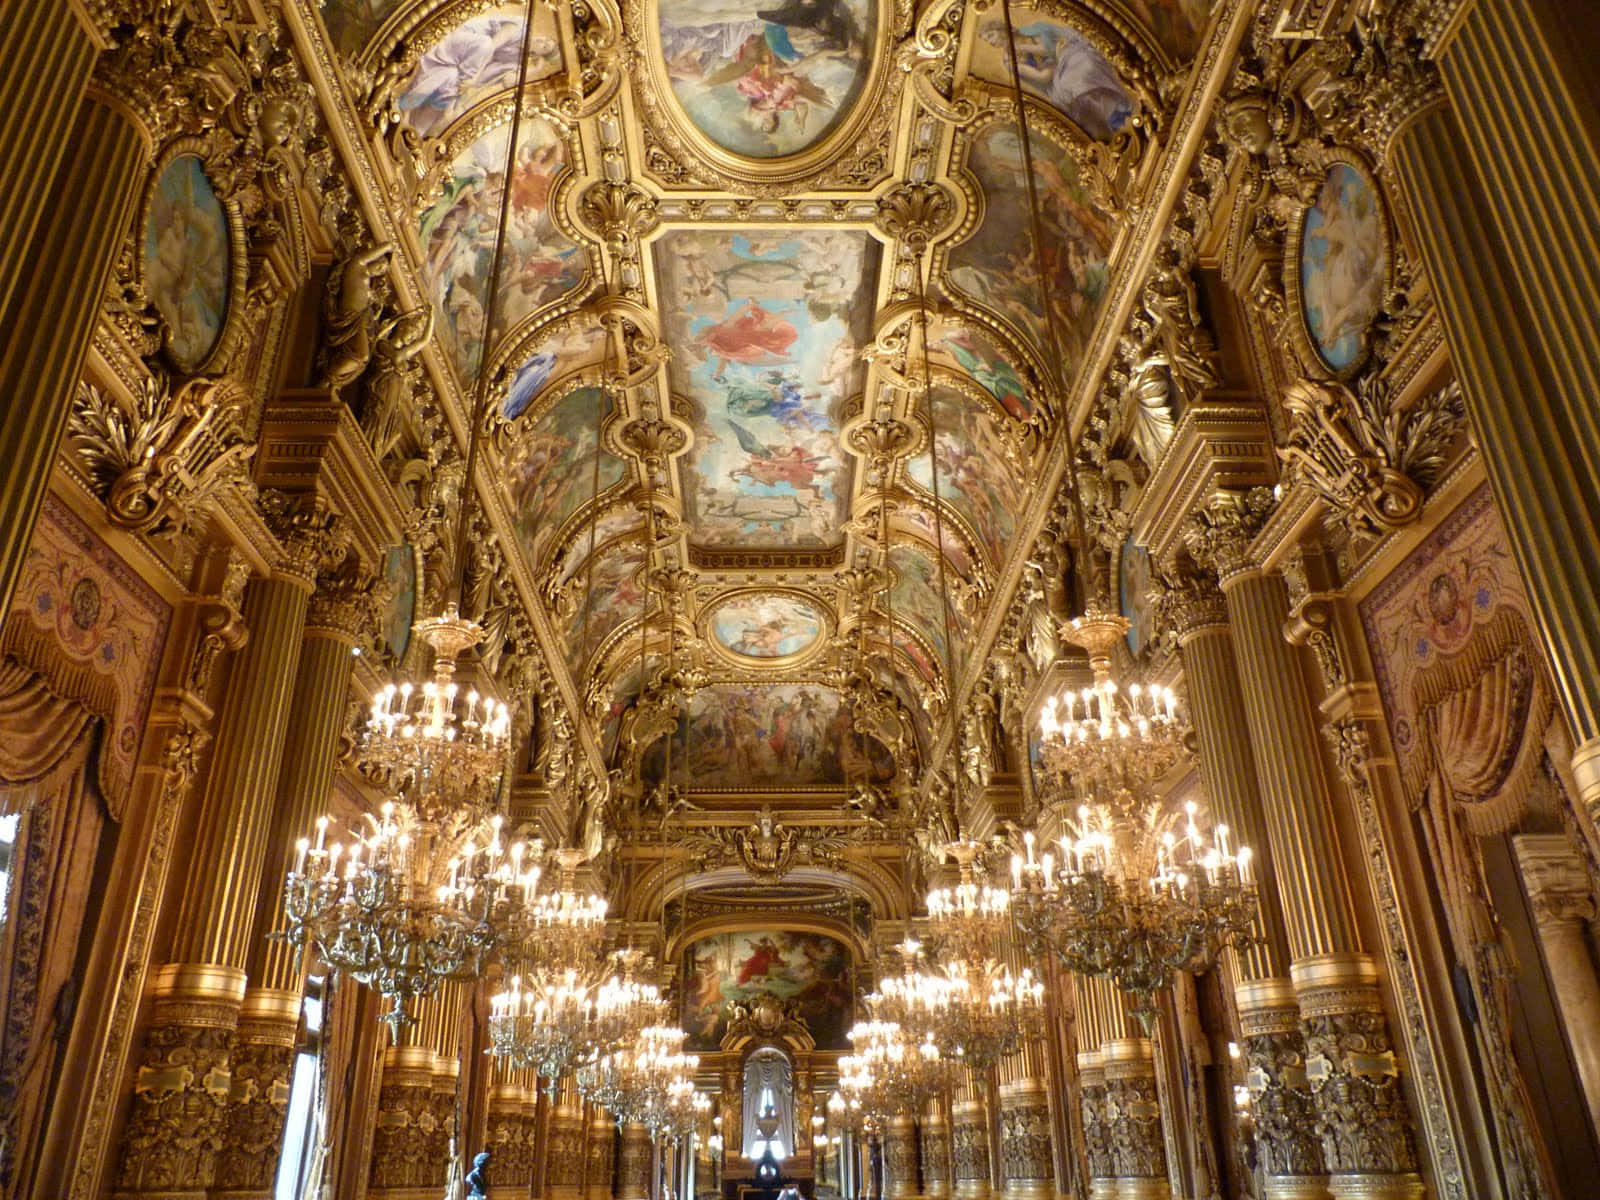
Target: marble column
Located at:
point(899, 1158)
point(935, 1141)
point(55, 291)
point(38, 107)
point(969, 1142)
point(216, 922)
point(1360, 1112)
point(264, 1050)
point(1133, 1119)
point(565, 1145)
point(1288, 1152)
point(1497, 162)
point(1562, 896)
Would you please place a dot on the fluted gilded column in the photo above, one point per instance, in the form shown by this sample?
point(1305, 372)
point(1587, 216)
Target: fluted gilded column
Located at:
point(1133, 1119)
point(1503, 183)
point(1361, 1116)
point(1288, 1152)
point(1097, 1002)
point(899, 1158)
point(935, 1143)
point(263, 1054)
point(633, 1162)
point(565, 1145)
point(1558, 886)
point(38, 106)
point(1026, 1162)
point(56, 289)
point(969, 1141)
point(216, 922)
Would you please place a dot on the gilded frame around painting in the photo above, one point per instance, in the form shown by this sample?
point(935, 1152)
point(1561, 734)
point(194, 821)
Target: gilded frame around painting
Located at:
point(1305, 343)
point(671, 123)
point(215, 357)
point(775, 663)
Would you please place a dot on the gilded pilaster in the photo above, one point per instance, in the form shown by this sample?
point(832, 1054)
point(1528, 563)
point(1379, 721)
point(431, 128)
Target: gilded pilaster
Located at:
point(935, 1143)
point(899, 1158)
point(1133, 1119)
point(633, 1162)
point(48, 321)
point(969, 1143)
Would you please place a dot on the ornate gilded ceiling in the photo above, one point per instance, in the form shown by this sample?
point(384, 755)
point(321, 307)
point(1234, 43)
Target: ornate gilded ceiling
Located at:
point(708, 398)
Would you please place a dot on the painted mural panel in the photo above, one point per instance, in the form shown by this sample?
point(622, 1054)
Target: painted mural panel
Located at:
point(541, 263)
point(550, 467)
point(996, 264)
point(400, 610)
point(918, 598)
point(188, 260)
point(603, 602)
point(1344, 266)
point(1177, 25)
point(974, 354)
point(475, 60)
point(551, 359)
point(1060, 66)
point(1459, 584)
point(765, 330)
point(608, 528)
point(975, 474)
point(1134, 580)
point(767, 82)
point(767, 625)
point(760, 736)
point(809, 970)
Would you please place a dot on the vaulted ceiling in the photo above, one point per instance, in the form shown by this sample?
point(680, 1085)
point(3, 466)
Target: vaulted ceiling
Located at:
point(708, 392)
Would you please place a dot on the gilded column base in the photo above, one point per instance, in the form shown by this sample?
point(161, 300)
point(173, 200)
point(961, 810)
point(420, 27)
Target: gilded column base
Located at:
point(506, 1136)
point(1377, 1187)
point(1096, 1133)
point(405, 1142)
point(1143, 1189)
point(263, 1060)
point(1026, 1162)
point(180, 1094)
point(935, 1142)
point(1295, 1187)
point(446, 1071)
point(1133, 1117)
point(1354, 1079)
point(969, 1150)
point(565, 1148)
point(1288, 1148)
point(633, 1168)
point(900, 1158)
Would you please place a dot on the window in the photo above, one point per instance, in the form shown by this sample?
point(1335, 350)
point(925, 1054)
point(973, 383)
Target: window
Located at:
point(299, 1159)
point(8, 851)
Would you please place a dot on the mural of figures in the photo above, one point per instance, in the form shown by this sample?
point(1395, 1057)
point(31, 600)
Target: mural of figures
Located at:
point(959, 347)
point(1176, 24)
point(399, 612)
point(474, 60)
point(975, 473)
point(1060, 66)
point(768, 736)
point(996, 265)
point(187, 260)
point(767, 82)
point(351, 23)
point(552, 359)
point(920, 520)
point(765, 331)
point(1344, 266)
point(808, 969)
point(541, 262)
point(615, 596)
point(550, 467)
point(919, 600)
point(607, 529)
point(767, 625)
point(1134, 584)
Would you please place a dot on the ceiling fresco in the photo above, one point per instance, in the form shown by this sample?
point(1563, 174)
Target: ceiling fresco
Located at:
point(766, 329)
point(721, 215)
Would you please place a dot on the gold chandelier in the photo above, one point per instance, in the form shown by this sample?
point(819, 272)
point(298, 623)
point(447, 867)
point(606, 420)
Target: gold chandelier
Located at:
point(891, 1071)
point(1134, 894)
point(414, 898)
point(649, 1082)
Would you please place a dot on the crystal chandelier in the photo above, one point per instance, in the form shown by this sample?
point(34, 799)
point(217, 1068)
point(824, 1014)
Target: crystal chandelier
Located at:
point(558, 932)
point(542, 1023)
point(626, 1003)
point(969, 918)
point(1134, 895)
point(891, 1070)
point(650, 1082)
point(411, 899)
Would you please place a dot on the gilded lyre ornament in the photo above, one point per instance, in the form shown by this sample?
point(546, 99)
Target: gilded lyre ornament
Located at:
point(1370, 460)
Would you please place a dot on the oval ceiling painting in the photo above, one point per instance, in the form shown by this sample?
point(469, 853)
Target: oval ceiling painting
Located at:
point(188, 260)
point(767, 82)
point(1344, 267)
point(767, 626)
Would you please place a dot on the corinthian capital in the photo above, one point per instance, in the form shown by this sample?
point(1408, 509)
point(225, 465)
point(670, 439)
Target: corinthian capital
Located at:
point(1192, 601)
point(1220, 532)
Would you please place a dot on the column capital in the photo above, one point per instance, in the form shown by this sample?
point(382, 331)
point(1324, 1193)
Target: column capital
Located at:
point(1219, 532)
point(1193, 604)
point(310, 534)
point(1556, 878)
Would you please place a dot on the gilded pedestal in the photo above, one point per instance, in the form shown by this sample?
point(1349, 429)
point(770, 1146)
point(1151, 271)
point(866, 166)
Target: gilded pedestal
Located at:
point(935, 1143)
point(1026, 1163)
point(899, 1158)
point(969, 1148)
point(1096, 1131)
point(633, 1163)
point(1133, 1119)
point(1288, 1150)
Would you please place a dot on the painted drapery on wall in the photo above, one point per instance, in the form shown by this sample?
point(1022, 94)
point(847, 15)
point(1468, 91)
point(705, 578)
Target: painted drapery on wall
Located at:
point(809, 971)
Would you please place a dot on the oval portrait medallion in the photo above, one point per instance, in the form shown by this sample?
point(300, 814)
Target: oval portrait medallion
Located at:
point(1344, 267)
point(767, 627)
point(767, 78)
point(188, 260)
